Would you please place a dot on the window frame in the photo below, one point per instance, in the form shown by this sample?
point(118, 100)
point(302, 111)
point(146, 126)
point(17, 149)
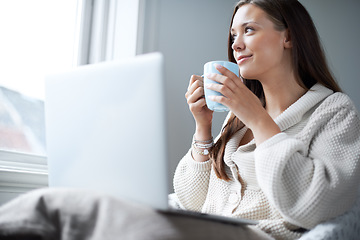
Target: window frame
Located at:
point(21, 172)
point(102, 25)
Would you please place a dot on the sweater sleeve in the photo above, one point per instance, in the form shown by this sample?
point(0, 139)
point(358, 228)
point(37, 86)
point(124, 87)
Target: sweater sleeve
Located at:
point(191, 179)
point(191, 182)
point(312, 180)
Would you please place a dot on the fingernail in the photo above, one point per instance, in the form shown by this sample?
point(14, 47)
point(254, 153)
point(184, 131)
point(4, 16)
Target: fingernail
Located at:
point(218, 66)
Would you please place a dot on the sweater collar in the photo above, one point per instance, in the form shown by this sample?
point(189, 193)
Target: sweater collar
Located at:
point(294, 113)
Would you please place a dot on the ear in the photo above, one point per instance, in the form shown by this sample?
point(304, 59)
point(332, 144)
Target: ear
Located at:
point(287, 39)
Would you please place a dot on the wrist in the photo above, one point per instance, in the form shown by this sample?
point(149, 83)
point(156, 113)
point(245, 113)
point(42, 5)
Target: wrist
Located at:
point(203, 133)
point(264, 129)
point(202, 147)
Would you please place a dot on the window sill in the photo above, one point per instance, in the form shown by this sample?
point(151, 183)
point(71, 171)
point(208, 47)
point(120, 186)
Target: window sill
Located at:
point(21, 172)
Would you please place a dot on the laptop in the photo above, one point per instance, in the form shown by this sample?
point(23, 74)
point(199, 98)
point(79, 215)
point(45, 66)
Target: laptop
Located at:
point(106, 131)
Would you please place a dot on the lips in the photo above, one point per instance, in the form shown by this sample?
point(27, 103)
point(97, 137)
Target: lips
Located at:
point(242, 58)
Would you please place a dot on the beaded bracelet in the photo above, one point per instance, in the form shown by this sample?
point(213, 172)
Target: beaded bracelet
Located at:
point(207, 141)
point(206, 145)
point(199, 145)
point(205, 152)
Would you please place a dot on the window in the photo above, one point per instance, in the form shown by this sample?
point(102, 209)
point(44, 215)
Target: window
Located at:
point(38, 38)
point(45, 36)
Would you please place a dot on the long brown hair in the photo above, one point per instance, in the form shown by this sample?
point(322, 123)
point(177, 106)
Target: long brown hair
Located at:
point(308, 60)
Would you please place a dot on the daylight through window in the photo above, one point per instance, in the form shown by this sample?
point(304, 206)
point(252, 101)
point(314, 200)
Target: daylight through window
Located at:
point(38, 38)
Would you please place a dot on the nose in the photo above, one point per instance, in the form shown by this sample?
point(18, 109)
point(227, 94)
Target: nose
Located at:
point(238, 44)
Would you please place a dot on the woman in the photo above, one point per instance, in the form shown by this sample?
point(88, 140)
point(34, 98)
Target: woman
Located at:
point(288, 154)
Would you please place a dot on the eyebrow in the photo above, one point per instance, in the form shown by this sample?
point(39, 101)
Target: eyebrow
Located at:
point(245, 24)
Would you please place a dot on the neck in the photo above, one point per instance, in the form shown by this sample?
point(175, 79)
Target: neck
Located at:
point(279, 95)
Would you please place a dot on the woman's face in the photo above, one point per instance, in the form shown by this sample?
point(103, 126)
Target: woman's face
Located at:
point(259, 49)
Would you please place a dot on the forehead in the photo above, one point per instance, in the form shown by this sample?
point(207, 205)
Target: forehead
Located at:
point(250, 13)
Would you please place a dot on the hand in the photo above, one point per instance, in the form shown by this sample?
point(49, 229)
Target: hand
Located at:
point(236, 96)
point(197, 105)
point(243, 103)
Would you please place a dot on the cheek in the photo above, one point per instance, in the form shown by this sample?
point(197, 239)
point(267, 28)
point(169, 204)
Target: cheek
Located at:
point(266, 54)
point(268, 51)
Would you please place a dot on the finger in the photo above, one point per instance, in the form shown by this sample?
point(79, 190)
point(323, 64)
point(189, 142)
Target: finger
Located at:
point(198, 105)
point(220, 99)
point(223, 89)
point(223, 80)
point(198, 94)
point(195, 85)
point(226, 72)
point(193, 78)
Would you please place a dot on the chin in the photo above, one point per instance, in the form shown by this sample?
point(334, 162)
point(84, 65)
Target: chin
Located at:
point(247, 74)
point(251, 72)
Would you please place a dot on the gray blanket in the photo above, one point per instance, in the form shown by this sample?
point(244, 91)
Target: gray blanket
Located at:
point(78, 214)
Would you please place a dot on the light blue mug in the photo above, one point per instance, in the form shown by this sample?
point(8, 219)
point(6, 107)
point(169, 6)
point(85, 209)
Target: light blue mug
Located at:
point(209, 67)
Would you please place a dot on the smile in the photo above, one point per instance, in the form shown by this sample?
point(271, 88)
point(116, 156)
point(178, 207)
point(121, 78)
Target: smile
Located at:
point(242, 58)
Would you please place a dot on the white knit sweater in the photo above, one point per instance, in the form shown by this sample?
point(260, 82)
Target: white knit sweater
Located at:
point(307, 174)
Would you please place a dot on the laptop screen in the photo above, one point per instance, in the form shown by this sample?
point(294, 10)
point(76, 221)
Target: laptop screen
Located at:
point(105, 129)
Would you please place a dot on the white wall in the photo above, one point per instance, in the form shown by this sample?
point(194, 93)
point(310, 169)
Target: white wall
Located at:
point(189, 33)
point(338, 23)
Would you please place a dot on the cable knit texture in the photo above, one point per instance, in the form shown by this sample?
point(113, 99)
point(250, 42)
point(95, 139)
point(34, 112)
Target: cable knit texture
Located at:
point(307, 174)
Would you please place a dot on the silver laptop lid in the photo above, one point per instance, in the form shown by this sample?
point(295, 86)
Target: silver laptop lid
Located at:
point(105, 129)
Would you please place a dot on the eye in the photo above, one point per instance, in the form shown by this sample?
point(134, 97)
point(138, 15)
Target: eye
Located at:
point(248, 29)
point(233, 38)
